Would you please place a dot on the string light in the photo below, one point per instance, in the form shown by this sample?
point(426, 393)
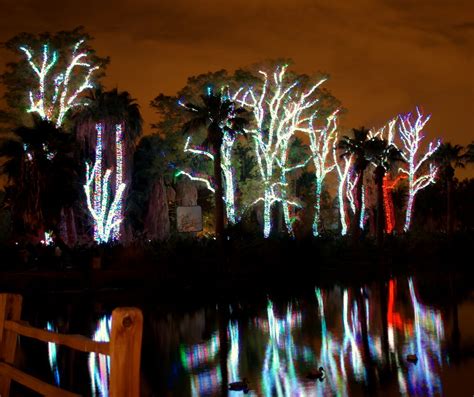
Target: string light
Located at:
point(387, 186)
point(362, 209)
point(279, 112)
point(227, 171)
point(342, 173)
point(119, 158)
point(321, 141)
point(104, 211)
point(197, 179)
point(48, 238)
point(411, 136)
point(97, 194)
point(352, 179)
point(46, 105)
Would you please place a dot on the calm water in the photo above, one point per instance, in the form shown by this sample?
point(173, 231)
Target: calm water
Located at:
point(361, 337)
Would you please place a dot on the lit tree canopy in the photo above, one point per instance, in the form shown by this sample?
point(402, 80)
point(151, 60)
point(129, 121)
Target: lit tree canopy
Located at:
point(321, 143)
point(106, 211)
point(54, 72)
point(419, 170)
point(223, 121)
point(191, 130)
point(282, 105)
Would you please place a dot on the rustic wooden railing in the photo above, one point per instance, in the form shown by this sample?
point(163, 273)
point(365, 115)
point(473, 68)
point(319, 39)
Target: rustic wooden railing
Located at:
point(124, 350)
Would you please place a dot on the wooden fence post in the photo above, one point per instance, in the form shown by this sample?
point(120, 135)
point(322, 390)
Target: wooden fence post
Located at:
point(125, 351)
point(10, 309)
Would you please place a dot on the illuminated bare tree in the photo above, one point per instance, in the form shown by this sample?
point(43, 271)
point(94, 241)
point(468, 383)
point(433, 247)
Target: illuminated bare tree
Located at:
point(227, 172)
point(321, 143)
point(57, 92)
point(106, 212)
point(418, 175)
point(343, 167)
point(279, 111)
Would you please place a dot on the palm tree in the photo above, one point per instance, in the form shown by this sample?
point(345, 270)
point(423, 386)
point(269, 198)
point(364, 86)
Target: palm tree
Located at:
point(41, 169)
point(448, 157)
point(469, 155)
point(220, 116)
point(110, 108)
point(357, 146)
point(384, 156)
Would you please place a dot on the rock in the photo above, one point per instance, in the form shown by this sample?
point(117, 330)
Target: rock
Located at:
point(186, 193)
point(157, 221)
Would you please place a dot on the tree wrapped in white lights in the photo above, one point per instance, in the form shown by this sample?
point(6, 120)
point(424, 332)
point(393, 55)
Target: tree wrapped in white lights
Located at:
point(321, 143)
point(279, 111)
point(343, 167)
point(418, 175)
point(227, 172)
point(105, 211)
point(351, 195)
point(57, 92)
point(105, 216)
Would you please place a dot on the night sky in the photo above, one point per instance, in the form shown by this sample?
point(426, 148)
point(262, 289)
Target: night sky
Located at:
point(383, 56)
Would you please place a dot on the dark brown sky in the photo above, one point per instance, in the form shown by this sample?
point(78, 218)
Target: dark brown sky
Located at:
point(384, 56)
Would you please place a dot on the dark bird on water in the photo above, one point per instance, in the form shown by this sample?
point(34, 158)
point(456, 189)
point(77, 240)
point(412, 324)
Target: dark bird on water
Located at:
point(316, 374)
point(242, 385)
point(412, 358)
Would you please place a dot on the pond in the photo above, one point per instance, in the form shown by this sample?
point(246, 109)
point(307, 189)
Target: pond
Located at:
point(404, 336)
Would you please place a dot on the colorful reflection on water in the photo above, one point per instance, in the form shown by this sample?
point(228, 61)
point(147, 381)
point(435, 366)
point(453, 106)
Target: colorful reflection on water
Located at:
point(346, 340)
point(200, 361)
point(360, 336)
point(53, 355)
point(425, 342)
point(99, 364)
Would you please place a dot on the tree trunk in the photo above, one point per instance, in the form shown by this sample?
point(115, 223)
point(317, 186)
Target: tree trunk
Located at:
point(449, 216)
point(157, 222)
point(267, 214)
point(219, 204)
point(379, 175)
point(356, 229)
point(317, 208)
point(388, 205)
point(342, 209)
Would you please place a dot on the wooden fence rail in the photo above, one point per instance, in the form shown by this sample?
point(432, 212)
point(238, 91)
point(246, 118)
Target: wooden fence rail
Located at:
point(124, 350)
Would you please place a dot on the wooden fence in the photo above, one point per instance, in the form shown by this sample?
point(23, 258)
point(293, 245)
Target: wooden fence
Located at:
point(124, 350)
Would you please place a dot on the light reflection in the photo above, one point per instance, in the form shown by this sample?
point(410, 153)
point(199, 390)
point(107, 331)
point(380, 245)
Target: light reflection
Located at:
point(423, 378)
point(335, 382)
point(53, 355)
point(200, 361)
point(199, 354)
point(99, 364)
point(349, 340)
point(290, 346)
point(279, 375)
point(233, 360)
point(206, 382)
